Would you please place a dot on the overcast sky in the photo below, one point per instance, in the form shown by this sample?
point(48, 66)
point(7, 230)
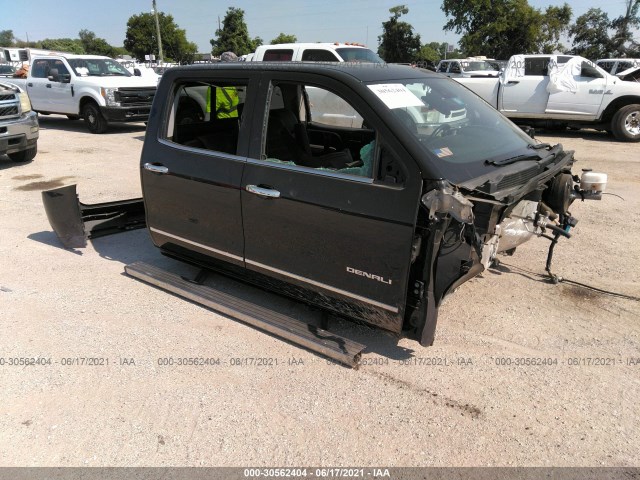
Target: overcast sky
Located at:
point(311, 21)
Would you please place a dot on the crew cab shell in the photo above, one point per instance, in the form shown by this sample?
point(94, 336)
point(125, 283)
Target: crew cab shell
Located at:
point(376, 220)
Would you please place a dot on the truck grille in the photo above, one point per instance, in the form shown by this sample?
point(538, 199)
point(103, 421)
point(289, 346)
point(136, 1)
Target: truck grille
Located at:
point(8, 111)
point(135, 97)
point(9, 105)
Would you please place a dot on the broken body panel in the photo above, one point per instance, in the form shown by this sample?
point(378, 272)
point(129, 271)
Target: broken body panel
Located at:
point(74, 222)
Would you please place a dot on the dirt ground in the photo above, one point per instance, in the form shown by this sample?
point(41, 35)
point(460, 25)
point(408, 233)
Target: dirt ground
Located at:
point(471, 399)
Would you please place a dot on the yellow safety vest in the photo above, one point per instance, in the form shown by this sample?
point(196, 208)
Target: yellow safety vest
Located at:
point(226, 102)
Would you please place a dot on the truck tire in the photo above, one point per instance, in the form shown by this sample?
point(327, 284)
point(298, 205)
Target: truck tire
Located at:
point(96, 123)
point(625, 124)
point(25, 155)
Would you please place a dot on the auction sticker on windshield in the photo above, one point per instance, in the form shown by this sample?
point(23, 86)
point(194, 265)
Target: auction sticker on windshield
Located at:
point(396, 95)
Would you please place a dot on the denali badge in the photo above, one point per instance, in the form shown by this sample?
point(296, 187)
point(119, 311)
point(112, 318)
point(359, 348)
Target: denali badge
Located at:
point(368, 275)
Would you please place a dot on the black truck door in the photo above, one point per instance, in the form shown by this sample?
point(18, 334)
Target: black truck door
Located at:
point(337, 219)
point(191, 174)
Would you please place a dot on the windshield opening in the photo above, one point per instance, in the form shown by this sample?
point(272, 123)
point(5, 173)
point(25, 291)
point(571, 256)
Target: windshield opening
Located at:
point(477, 66)
point(453, 126)
point(97, 67)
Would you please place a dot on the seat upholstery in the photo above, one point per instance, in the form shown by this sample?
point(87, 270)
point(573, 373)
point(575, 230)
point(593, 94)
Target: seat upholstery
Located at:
point(287, 140)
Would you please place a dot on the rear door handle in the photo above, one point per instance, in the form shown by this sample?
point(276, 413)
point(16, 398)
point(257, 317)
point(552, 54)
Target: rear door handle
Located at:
point(156, 168)
point(48, 85)
point(263, 192)
point(513, 82)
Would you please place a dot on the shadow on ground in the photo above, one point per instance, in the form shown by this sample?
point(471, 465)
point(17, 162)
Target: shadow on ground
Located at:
point(61, 122)
point(584, 134)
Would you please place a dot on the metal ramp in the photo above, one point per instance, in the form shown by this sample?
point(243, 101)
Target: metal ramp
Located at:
point(308, 336)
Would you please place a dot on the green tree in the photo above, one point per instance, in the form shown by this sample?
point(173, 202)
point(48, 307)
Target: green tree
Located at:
point(234, 35)
point(68, 45)
point(501, 28)
point(429, 53)
point(623, 26)
point(6, 38)
point(141, 38)
point(96, 46)
point(590, 35)
point(554, 24)
point(397, 42)
point(284, 38)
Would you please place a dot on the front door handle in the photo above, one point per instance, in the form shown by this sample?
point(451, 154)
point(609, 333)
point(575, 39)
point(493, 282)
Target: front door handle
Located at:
point(48, 85)
point(29, 84)
point(156, 168)
point(513, 82)
point(263, 192)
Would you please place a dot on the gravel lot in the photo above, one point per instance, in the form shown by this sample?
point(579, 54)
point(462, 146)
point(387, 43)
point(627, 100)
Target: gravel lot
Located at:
point(398, 409)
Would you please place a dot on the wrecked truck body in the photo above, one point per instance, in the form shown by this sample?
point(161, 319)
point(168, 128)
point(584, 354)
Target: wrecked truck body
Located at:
point(373, 204)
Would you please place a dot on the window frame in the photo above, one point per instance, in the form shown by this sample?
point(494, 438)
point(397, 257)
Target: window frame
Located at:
point(261, 159)
point(544, 71)
point(167, 127)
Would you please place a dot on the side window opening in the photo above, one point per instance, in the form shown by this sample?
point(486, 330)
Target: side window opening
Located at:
point(455, 68)
point(622, 66)
point(278, 55)
point(40, 69)
point(311, 55)
point(605, 65)
point(58, 65)
point(335, 139)
point(207, 115)
point(536, 66)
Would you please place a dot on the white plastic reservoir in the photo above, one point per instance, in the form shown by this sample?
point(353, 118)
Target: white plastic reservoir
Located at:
point(593, 181)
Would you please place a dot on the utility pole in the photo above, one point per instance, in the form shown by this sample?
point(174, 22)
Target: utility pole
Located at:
point(155, 13)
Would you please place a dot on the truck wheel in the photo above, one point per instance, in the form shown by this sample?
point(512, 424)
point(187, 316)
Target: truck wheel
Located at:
point(625, 124)
point(94, 119)
point(25, 155)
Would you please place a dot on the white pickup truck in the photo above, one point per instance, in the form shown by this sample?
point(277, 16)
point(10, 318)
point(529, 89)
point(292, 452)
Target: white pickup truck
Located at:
point(96, 88)
point(562, 90)
point(18, 124)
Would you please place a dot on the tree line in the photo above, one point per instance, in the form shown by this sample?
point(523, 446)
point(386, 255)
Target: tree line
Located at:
point(494, 28)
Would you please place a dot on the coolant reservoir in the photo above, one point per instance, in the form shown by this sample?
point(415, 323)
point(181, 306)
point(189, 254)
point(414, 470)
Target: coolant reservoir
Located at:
point(593, 181)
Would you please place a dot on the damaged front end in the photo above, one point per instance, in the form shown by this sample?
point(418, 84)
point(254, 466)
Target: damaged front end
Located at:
point(462, 228)
point(74, 221)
